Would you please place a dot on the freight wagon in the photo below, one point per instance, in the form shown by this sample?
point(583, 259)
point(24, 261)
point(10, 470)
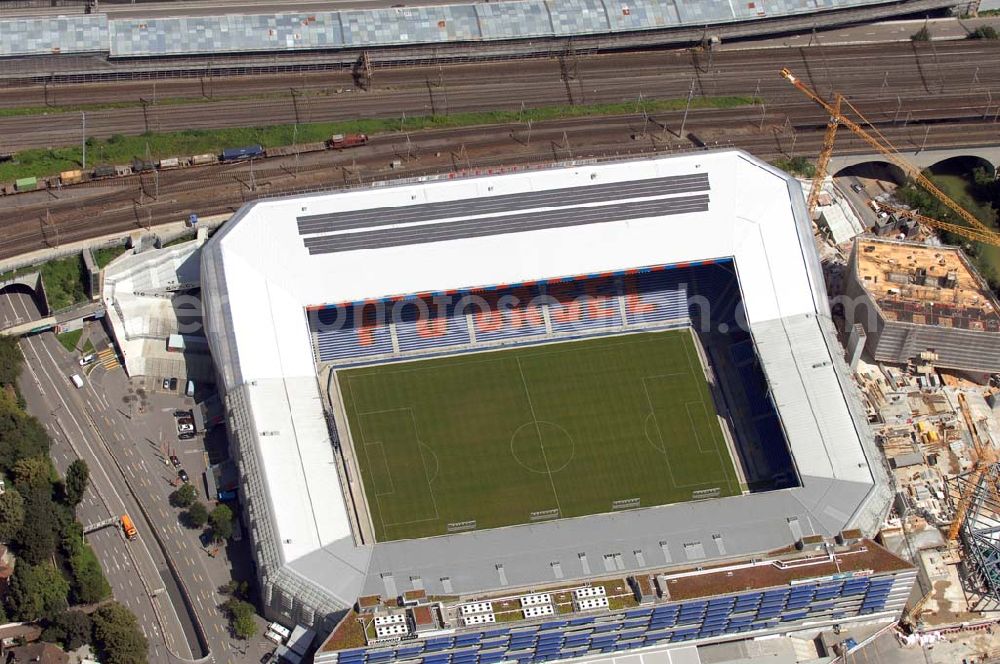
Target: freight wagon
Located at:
point(203, 159)
point(288, 150)
point(102, 172)
point(245, 152)
point(71, 177)
point(26, 184)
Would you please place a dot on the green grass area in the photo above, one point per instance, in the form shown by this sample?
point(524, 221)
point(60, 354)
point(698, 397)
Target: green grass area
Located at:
point(799, 166)
point(496, 436)
point(122, 149)
point(64, 282)
point(10, 274)
point(69, 340)
point(104, 256)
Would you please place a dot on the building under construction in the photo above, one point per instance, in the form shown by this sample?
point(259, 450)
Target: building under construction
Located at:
point(979, 535)
point(915, 300)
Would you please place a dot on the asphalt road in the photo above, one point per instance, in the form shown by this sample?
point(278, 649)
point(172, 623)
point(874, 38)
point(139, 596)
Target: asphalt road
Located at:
point(141, 438)
point(138, 428)
point(133, 569)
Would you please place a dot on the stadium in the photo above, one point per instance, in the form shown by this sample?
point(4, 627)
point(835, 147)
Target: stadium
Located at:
point(499, 381)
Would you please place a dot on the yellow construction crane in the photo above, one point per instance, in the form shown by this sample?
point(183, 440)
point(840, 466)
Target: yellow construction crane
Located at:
point(985, 457)
point(987, 237)
point(977, 230)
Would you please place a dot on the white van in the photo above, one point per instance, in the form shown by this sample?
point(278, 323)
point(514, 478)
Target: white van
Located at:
point(77, 380)
point(190, 388)
point(280, 629)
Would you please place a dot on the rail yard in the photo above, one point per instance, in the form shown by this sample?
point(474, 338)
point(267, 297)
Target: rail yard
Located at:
point(240, 293)
point(913, 88)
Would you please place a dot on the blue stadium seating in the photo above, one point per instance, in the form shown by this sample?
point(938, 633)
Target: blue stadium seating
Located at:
point(513, 313)
point(591, 304)
point(429, 323)
point(580, 305)
point(349, 332)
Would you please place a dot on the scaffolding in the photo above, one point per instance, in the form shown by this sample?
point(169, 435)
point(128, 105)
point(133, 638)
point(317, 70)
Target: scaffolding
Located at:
point(980, 536)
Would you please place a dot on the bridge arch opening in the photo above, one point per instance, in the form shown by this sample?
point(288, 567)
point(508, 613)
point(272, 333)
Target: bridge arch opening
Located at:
point(883, 171)
point(964, 166)
point(22, 294)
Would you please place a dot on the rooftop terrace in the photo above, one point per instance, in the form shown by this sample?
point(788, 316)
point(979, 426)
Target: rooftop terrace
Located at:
point(819, 561)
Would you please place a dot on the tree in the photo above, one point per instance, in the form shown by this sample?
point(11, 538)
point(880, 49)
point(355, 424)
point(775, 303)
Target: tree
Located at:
point(36, 592)
point(117, 636)
point(221, 521)
point(36, 540)
point(33, 472)
point(197, 515)
point(11, 514)
point(241, 620)
point(21, 436)
point(10, 360)
point(77, 477)
point(984, 32)
point(88, 584)
point(184, 496)
point(71, 629)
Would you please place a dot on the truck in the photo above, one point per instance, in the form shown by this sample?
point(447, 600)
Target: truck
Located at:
point(245, 152)
point(128, 527)
point(342, 141)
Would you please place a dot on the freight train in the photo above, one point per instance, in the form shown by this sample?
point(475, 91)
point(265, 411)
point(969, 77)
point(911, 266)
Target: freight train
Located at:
point(229, 155)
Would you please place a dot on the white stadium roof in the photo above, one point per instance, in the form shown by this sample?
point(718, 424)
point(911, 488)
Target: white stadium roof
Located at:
point(260, 273)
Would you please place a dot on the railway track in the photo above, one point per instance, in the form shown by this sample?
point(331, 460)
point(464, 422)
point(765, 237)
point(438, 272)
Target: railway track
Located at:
point(908, 88)
point(40, 219)
point(932, 81)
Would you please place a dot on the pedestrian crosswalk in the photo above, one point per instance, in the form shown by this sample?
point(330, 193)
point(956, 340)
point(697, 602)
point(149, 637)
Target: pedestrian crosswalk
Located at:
point(109, 359)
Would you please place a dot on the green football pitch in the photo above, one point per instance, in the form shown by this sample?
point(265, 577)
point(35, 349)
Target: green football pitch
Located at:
point(506, 437)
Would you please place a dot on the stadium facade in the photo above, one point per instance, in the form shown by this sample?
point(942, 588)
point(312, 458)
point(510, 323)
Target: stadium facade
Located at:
point(668, 227)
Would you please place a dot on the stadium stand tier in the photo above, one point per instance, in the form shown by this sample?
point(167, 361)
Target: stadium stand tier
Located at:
point(739, 268)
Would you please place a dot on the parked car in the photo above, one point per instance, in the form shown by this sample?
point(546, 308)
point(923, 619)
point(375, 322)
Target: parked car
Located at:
point(166, 383)
point(174, 460)
point(182, 413)
point(184, 427)
point(182, 474)
point(186, 435)
point(206, 539)
point(857, 188)
point(173, 384)
point(89, 358)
